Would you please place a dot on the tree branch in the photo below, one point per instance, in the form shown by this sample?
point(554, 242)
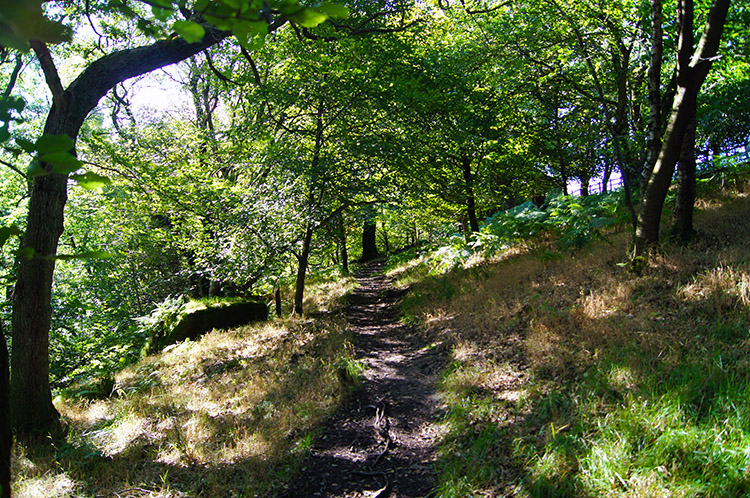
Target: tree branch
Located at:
point(218, 73)
point(49, 69)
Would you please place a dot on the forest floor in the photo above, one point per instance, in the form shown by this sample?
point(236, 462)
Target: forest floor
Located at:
point(383, 442)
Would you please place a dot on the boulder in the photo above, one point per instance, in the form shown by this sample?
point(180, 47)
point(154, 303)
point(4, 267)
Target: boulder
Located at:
point(195, 322)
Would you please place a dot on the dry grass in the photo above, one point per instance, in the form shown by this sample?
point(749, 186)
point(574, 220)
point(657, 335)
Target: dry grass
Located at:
point(534, 339)
point(226, 415)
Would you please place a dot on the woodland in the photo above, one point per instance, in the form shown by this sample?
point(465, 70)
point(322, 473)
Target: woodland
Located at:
point(536, 208)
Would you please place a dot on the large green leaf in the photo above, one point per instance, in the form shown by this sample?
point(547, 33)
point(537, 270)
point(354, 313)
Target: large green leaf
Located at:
point(8, 232)
point(191, 31)
point(63, 163)
point(335, 10)
point(90, 180)
point(54, 143)
point(309, 18)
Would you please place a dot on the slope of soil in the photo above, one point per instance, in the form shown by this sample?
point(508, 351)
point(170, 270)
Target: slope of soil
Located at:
point(383, 443)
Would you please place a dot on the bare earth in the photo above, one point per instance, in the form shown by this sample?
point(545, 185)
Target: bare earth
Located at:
point(383, 443)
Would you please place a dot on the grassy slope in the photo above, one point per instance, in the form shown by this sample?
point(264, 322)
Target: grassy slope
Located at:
point(574, 377)
point(224, 416)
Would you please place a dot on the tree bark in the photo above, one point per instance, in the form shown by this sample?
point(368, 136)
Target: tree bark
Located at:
point(471, 209)
point(369, 238)
point(342, 247)
point(303, 260)
point(30, 394)
point(682, 219)
point(692, 72)
point(277, 301)
point(6, 435)
point(653, 144)
point(344, 256)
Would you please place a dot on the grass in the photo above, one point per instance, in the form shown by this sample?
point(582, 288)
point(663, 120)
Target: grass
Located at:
point(232, 414)
point(573, 377)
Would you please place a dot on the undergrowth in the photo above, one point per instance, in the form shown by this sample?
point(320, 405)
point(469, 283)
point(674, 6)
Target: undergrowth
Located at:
point(231, 414)
point(573, 377)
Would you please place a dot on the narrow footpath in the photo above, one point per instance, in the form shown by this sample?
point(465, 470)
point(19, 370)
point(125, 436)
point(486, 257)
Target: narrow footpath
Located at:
point(383, 443)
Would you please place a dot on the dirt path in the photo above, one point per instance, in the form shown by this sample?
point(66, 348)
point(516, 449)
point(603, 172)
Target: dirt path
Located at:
point(382, 444)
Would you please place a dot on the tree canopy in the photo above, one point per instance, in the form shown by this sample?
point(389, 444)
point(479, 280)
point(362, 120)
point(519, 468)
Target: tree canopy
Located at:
point(297, 128)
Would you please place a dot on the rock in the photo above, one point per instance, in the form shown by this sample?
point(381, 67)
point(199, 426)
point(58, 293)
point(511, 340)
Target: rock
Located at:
point(196, 322)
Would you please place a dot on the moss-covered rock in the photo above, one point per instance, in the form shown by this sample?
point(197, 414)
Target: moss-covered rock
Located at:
point(196, 321)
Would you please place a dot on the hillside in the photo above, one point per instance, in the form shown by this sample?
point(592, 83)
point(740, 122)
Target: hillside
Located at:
point(561, 376)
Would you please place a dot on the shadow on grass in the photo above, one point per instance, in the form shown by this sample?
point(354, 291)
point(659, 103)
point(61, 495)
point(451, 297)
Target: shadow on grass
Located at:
point(229, 423)
point(615, 385)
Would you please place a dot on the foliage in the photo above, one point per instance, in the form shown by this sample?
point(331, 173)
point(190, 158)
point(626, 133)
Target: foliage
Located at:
point(572, 221)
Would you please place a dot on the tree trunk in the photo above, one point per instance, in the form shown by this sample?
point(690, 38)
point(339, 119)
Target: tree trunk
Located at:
point(692, 72)
point(277, 300)
point(30, 394)
point(606, 175)
point(303, 260)
point(369, 240)
point(471, 210)
point(344, 255)
point(682, 219)
point(654, 90)
point(6, 435)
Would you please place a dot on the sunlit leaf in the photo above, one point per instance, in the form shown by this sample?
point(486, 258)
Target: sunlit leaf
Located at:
point(309, 18)
point(90, 180)
point(335, 10)
point(190, 31)
point(160, 13)
point(96, 254)
point(251, 35)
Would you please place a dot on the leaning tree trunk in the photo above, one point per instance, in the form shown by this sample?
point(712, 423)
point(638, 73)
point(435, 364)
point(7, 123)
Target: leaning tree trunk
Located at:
point(682, 217)
point(692, 72)
point(6, 435)
point(30, 394)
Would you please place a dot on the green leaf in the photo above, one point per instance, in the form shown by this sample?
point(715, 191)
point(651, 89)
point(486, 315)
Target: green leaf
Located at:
point(63, 163)
point(26, 253)
point(35, 169)
point(8, 232)
point(53, 143)
point(96, 254)
point(335, 10)
point(161, 14)
point(90, 180)
point(251, 35)
point(309, 18)
point(191, 31)
point(26, 145)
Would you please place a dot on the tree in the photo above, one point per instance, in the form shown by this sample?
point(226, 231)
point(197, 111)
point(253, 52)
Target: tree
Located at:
point(6, 435)
point(31, 399)
point(692, 69)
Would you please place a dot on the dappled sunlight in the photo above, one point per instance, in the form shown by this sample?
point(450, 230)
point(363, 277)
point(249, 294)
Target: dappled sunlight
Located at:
point(50, 485)
point(246, 397)
point(603, 382)
point(721, 288)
